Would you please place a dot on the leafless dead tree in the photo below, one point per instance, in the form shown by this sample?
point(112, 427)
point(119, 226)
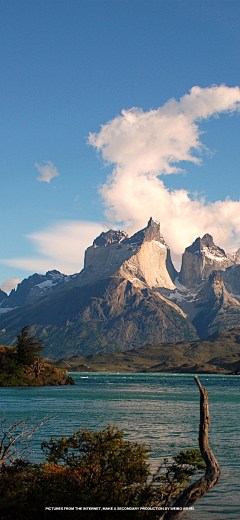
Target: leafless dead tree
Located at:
point(198, 489)
point(14, 439)
point(39, 367)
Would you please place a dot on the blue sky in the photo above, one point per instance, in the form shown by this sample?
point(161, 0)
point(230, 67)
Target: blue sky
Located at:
point(69, 67)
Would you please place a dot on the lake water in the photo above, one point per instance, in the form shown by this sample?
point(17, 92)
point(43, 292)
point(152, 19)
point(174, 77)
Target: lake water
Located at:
point(157, 409)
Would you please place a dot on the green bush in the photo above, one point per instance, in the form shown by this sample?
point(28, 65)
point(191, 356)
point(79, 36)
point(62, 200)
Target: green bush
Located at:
point(90, 469)
point(22, 366)
point(11, 380)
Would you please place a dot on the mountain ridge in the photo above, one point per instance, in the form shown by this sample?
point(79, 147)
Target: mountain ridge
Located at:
point(129, 294)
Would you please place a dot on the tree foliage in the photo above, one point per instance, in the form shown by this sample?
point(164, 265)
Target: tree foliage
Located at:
point(23, 366)
point(111, 470)
point(10, 370)
point(28, 347)
point(93, 469)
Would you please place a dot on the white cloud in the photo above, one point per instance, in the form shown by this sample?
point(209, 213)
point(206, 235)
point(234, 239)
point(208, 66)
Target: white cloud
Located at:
point(47, 171)
point(60, 247)
point(9, 284)
point(142, 146)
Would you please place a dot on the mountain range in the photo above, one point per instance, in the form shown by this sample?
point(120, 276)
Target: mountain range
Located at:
point(127, 295)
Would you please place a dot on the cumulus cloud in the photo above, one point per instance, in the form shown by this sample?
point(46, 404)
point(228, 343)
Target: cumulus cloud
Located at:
point(142, 146)
point(60, 247)
point(47, 171)
point(9, 284)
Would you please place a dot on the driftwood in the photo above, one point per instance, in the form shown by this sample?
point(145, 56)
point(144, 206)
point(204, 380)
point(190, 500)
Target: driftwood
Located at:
point(198, 489)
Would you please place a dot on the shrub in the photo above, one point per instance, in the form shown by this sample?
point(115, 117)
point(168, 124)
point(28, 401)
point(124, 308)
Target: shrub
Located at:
point(93, 469)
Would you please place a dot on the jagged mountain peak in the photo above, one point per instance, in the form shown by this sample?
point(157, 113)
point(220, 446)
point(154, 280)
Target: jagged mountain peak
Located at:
point(152, 222)
point(54, 273)
point(154, 225)
point(200, 259)
point(207, 240)
point(206, 246)
point(109, 237)
point(112, 236)
point(32, 288)
point(143, 258)
point(150, 233)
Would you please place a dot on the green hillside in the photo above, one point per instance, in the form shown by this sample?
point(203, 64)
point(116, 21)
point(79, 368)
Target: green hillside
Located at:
point(219, 353)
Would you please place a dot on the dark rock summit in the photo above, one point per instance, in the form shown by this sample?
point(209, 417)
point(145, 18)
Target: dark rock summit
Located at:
point(109, 237)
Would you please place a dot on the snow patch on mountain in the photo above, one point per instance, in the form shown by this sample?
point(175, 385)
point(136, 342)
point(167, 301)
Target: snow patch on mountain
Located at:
point(179, 286)
point(47, 283)
point(160, 244)
point(3, 310)
point(213, 254)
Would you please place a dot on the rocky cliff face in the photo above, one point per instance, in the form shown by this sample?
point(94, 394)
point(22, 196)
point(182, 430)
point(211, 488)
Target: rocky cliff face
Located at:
point(3, 296)
point(216, 308)
point(200, 259)
point(143, 258)
point(231, 278)
point(202, 294)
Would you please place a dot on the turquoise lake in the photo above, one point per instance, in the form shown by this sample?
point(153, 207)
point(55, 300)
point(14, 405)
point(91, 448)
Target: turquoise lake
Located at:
point(161, 410)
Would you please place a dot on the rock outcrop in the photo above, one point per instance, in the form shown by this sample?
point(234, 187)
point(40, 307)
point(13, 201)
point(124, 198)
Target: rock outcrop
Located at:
point(231, 278)
point(216, 309)
point(200, 259)
point(143, 258)
point(3, 296)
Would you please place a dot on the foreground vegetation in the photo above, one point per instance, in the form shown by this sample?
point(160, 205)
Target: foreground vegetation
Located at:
point(23, 366)
point(100, 470)
point(92, 469)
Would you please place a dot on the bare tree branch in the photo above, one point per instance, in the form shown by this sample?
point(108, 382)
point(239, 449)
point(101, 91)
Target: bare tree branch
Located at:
point(14, 439)
point(198, 489)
